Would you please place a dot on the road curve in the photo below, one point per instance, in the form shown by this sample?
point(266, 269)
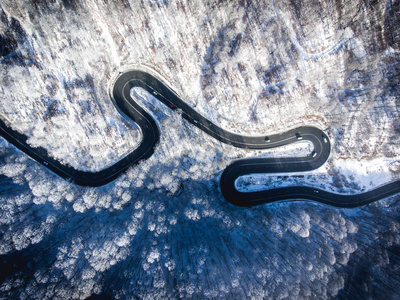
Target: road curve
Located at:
point(120, 95)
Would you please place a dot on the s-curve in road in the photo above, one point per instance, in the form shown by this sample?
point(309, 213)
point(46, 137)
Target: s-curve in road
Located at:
point(126, 105)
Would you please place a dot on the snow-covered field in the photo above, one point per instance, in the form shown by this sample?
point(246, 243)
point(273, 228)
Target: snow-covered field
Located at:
point(163, 229)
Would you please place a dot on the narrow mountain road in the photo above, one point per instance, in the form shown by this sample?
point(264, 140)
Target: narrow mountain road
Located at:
point(126, 105)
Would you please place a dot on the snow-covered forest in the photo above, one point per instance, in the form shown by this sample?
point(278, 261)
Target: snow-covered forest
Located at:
point(163, 229)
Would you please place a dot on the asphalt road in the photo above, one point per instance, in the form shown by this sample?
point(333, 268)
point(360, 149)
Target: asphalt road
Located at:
point(126, 105)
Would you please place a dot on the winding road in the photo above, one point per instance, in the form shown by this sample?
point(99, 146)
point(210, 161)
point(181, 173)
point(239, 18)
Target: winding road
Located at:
point(126, 105)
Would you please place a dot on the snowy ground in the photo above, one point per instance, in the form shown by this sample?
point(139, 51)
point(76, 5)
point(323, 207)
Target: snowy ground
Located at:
point(163, 229)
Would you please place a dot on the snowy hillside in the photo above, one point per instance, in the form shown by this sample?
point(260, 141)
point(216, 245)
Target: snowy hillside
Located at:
point(163, 229)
